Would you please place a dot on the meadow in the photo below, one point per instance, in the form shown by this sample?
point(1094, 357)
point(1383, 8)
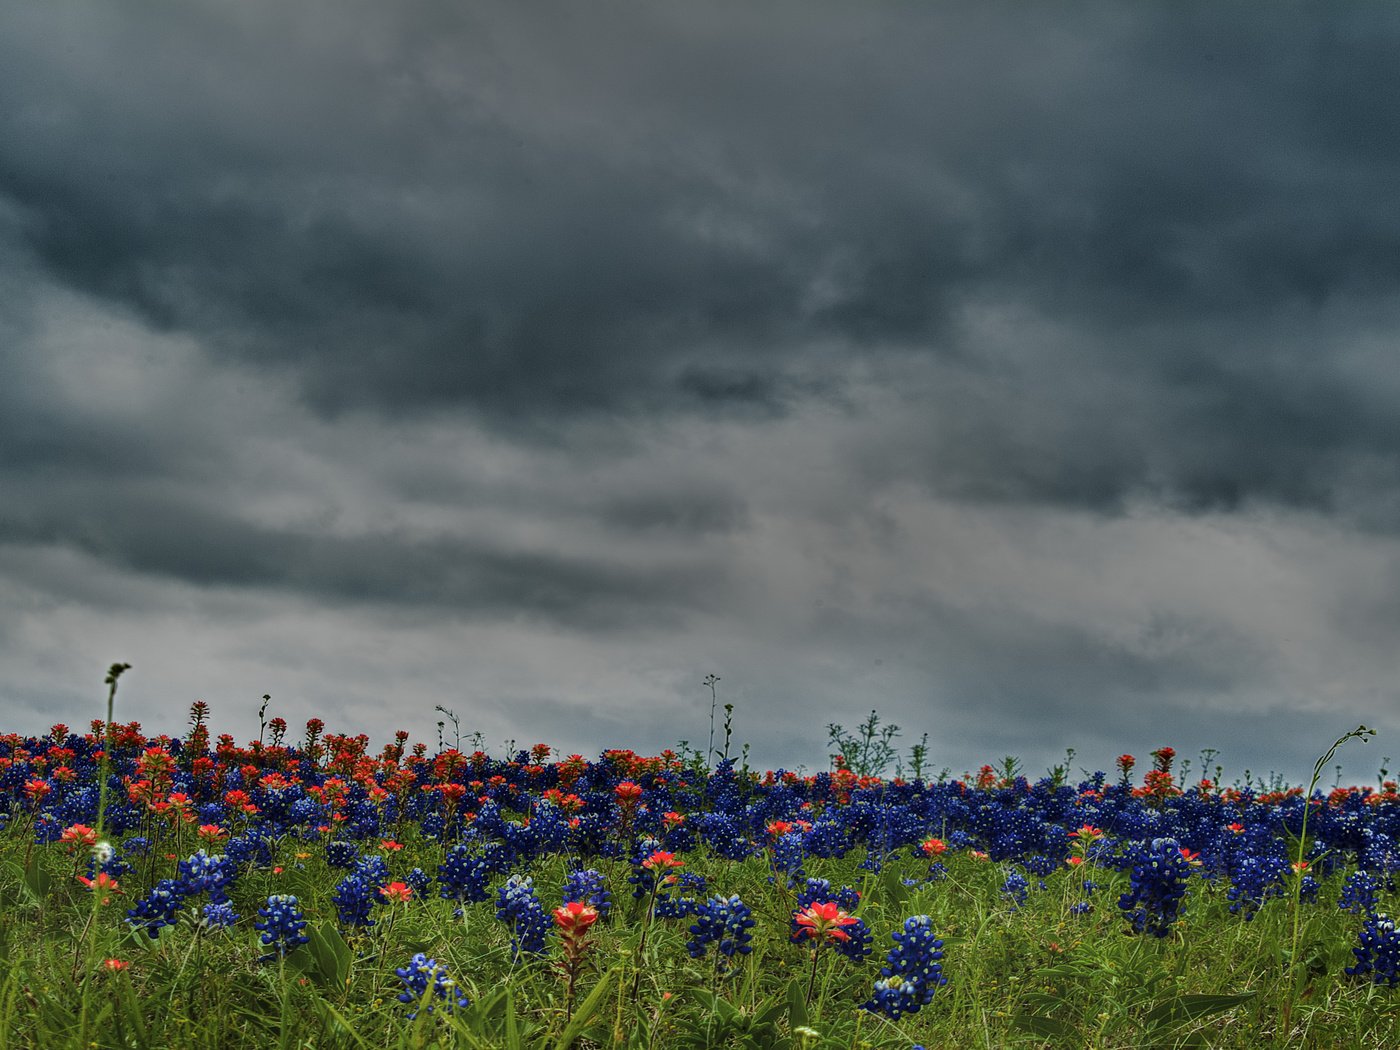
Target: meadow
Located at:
point(192, 891)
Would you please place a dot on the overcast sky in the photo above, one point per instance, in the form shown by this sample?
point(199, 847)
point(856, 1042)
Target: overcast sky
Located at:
point(1029, 373)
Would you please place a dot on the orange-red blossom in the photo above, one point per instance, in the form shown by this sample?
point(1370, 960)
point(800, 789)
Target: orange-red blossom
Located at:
point(103, 884)
point(822, 921)
point(575, 917)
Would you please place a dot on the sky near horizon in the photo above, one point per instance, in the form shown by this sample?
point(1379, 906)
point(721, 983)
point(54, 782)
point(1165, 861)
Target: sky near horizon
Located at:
point(1027, 373)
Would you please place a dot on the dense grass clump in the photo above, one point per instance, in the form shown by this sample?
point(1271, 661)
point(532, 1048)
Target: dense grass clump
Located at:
point(186, 891)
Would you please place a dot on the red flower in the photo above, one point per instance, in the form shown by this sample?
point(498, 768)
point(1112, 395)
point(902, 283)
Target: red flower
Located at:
point(78, 836)
point(103, 884)
point(396, 891)
point(822, 921)
point(390, 844)
point(933, 847)
point(662, 859)
point(115, 965)
point(575, 917)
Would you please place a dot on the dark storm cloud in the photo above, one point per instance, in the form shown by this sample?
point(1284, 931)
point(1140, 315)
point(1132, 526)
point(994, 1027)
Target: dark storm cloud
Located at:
point(921, 353)
point(640, 210)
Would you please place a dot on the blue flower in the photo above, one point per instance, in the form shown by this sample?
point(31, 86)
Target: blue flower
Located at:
point(282, 925)
point(422, 974)
point(588, 887)
point(912, 972)
point(1015, 889)
point(1359, 893)
point(1158, 885)
point(158, 908)
point(1378, 954)
point(341, 854)
point(724, 922)
point(464, 878)
point(354, 898)
point(219, 916)
point(517, 905)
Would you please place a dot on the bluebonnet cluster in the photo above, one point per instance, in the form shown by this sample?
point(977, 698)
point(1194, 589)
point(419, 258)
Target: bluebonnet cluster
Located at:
point(788, 855)
point(158, 908)
point(218, 916)
point(912, 971)
point(1015, 888)
point(1359, 893)
point(517, 905)
point(202, 873)
point(282, 925)
point(725, 922)
point(420, 880)
point(465, 878)
point(341, 854)
point(356, 895)
point(1378, 954)
point(684, 899)
point(589, 887)
point(1158, 886)
point(422, 974)
point(1254, 878)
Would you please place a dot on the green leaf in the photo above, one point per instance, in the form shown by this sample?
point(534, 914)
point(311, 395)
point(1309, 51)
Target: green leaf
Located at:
point(587, 1009)
point(1182, 1008)
point(333, 956)
point(512, 1030)
point(769, 1012)
point(1049, 1027)
point(343, 1022)
point(895, 894)
point(797, 1004)
point(131, 1018)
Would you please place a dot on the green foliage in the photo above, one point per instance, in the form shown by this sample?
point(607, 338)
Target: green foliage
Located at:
point(869, 750)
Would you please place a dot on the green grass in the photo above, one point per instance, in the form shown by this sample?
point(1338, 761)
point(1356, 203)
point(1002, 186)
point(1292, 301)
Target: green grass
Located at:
point(1036, 975)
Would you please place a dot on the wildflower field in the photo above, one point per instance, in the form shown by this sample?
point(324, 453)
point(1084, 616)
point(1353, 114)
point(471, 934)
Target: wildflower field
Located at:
point(190, 891)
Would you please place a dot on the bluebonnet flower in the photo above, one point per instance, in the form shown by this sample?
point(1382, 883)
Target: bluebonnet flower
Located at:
point(202, 873)
point(218, 916)
point(354, 898)
point(1359, 893)
point(341, 854)
point(788, 855)
point(675, 906)
point(1255, 878)
point(282, 925)
point(1307, 889)
point(517, 905)
point(422, 974)
point(1081, 908)
point(1378, 954)
point(588, 887)
point(1015, 888)
point(724, 922)
point(420, 880)
point(1158, 885)
point(158, 908)
point(912, 971)
point(464, 877)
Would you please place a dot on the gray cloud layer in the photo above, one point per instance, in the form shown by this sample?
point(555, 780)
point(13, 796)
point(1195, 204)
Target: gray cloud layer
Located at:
point(897, 357)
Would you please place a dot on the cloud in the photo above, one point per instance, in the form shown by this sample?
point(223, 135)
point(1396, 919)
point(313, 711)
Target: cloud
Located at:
point(1016, 370)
